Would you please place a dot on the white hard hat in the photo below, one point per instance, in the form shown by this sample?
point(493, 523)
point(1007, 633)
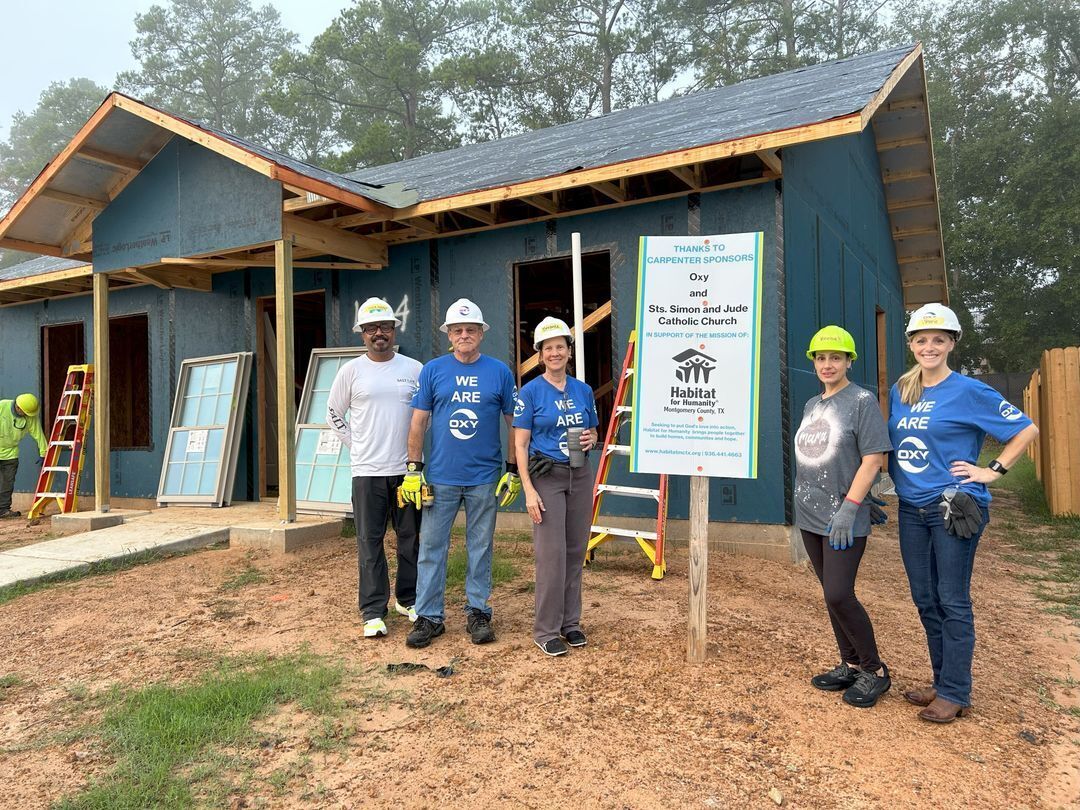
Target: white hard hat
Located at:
point(463, 311)
point(374, 310)
point(934, 316)
point(550, 328)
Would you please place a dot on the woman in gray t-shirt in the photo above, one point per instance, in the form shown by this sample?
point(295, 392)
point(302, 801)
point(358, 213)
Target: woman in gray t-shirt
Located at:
point(838, 451)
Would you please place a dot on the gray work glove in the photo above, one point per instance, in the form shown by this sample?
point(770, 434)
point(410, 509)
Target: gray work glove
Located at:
point(840, 528)
point(539, 465)
point(962, 515)
point(877, 514)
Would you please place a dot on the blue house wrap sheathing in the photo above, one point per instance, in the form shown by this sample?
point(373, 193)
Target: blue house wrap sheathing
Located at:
point(826, 161)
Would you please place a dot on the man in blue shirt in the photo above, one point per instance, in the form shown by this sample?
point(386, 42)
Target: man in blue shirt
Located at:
point(463, 396)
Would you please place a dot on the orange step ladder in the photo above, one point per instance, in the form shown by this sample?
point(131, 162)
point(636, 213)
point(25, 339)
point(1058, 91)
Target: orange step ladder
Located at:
point(68, 436)
point(652, 543)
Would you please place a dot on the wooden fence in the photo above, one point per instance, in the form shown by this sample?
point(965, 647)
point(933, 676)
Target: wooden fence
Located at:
point(1052, 400)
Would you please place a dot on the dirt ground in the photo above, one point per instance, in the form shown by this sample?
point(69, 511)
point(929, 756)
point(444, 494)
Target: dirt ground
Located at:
point(622, 723)
point(14, 533)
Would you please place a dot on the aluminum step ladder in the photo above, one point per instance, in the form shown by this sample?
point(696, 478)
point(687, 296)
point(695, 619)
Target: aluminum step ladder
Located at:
point(651, 543)
point(67, 438)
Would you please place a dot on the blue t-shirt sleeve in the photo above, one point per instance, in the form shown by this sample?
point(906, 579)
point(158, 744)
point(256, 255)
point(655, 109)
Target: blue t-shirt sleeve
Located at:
point(523, 409)
point(995, 415)
point(591, 419)
point(423, 399)
point(509, 391)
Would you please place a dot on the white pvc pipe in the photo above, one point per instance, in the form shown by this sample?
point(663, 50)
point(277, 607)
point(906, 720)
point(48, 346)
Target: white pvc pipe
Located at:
point(579, 307)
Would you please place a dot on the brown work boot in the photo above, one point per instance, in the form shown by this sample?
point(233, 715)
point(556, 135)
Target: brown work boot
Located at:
point(942, 711)
point(923, 696)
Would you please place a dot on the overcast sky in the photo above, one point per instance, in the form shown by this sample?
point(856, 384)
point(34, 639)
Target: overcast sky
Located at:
point(55, 40)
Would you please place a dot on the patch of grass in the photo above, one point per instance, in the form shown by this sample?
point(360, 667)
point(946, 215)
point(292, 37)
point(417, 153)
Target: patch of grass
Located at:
point(250, 575)
point(348, 528)
point(502, 568)
point(331, 735)
point(12, 592)
point(9, 681)
point(1055, 550)
point(160, 734)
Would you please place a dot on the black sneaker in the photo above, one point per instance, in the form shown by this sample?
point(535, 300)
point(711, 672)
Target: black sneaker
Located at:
point(553, 647)
point(867, 688)
point(575, 638)
point(837, 678)
point(479, 627)
point(11, 513)
point(423, 631)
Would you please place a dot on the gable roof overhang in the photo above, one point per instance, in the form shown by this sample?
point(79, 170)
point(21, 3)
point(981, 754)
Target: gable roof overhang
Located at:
point(718, 139)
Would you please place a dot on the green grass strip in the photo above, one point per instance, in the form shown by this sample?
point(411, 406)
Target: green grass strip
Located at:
point(158, 731)
point(1057, 547)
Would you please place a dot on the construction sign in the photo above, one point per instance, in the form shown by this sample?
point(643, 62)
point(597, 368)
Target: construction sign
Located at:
point(697, 365)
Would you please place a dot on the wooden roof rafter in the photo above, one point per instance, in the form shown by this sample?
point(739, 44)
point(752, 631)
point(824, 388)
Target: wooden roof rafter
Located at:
point(904, 141)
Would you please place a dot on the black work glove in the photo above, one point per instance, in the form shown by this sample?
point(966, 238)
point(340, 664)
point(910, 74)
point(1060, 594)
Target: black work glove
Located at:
point(962, 515)
point(539, 465)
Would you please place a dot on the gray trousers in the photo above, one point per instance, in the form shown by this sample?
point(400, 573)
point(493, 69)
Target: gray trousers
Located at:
point(374, 504)
point(8, 468)
point(559, 543)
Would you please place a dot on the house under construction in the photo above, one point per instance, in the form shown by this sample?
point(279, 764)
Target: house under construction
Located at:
point(162, 239)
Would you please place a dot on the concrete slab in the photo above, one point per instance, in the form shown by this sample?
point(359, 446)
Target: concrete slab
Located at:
point(284, 538)
point(31, 563)
point(28, 570)
point(77, 522)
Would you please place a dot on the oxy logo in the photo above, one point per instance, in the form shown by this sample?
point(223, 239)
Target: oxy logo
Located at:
point(564, 448)
point(519, 407)
point(1009, 411)
point(912, 455)
point(463, 424)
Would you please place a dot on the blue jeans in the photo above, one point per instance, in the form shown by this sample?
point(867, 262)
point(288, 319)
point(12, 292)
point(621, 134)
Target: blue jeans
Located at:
point(480, 508)
point(939, 567)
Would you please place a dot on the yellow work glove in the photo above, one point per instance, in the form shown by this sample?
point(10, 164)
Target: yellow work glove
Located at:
point(409, 491)
point(509, 486)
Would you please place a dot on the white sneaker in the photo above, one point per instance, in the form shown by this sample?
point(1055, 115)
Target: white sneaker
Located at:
point(373, 628)
point(405, 611)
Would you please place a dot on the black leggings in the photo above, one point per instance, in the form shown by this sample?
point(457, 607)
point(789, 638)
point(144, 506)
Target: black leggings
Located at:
point(836, 571)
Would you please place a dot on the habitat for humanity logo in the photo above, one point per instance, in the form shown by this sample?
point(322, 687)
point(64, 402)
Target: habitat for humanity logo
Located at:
point(693, 366)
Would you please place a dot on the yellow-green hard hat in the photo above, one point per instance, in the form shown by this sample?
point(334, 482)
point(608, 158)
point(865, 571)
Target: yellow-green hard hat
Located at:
point(832, 339)
point(28, 404)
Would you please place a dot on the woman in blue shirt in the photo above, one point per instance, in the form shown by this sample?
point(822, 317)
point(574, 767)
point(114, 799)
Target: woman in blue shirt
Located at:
point(558, 496)
point(937, 423)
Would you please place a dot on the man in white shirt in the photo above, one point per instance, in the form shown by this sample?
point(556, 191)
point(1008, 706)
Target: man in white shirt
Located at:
point(376, 390)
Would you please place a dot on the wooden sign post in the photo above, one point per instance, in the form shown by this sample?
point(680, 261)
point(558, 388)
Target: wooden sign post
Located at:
point(696, 377)
point(697, 620)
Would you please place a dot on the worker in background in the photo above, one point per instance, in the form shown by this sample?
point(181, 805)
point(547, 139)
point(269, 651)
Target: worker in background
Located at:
point(18, 417)
point(463, 396)
point(375, 391)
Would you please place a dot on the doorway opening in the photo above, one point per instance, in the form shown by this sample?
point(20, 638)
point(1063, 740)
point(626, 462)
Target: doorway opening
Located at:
point(62, 345)
point(546, 288)
point(129, 383)
point(309, 332)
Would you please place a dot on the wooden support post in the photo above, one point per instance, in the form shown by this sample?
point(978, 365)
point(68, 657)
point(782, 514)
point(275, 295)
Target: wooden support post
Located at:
point(102, 480)
point(697, 620)
point(286, 380)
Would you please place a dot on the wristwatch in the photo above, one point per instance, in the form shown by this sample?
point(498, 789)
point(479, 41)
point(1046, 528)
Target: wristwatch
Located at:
point(997, 467)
